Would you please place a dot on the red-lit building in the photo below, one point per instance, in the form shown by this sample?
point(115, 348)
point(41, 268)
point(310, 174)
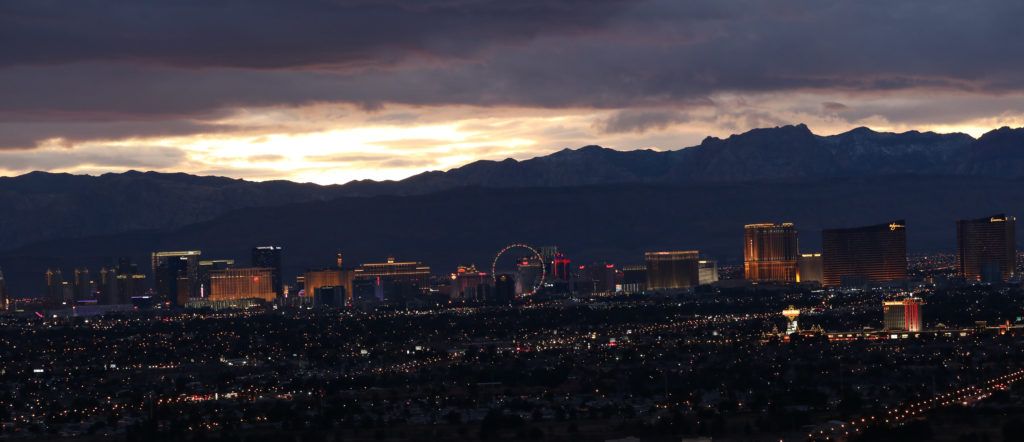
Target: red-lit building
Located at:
point(903, 315)
point(561, 268)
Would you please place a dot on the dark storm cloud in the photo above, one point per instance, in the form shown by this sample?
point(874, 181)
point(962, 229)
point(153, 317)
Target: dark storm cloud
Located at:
point(833, 106)
point(157, 61)
point(279, 33)
point(640, 121)
point(27, 134)
point(651, 53)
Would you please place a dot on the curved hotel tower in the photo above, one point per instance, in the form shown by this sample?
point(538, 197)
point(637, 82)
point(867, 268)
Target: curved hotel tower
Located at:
point(986, 248)
point(859, 255)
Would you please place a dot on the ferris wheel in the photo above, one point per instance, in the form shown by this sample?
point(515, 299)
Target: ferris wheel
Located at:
point(543, 271)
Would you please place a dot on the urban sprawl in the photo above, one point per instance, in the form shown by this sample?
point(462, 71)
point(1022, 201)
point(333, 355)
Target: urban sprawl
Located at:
point(856, 341)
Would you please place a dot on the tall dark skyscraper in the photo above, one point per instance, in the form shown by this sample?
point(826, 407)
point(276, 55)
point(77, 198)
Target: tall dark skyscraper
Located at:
point(176, 276)
point(108, 286)
point(867, 254)
point(130, 283)
point(83, 285)
point(770, 252)
point(270, 257)
point(987, 248)
point(54, 287)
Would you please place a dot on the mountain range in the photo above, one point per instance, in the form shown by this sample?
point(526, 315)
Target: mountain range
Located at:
point(595, 203)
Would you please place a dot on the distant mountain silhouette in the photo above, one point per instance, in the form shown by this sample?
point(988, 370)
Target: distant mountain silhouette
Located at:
point(605, 222)
point(43, 208)
point(779, 153)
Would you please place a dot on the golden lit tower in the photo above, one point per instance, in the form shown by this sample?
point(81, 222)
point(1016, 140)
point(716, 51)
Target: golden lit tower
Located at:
point(770, 252)
point(315, 280)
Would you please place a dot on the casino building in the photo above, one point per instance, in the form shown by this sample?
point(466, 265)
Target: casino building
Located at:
point(986, 248)
point(672, 270)
point(859, 255)
point(770, 252)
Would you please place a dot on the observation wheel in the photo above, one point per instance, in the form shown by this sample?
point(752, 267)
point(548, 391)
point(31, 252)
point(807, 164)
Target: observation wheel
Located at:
point(540, 260)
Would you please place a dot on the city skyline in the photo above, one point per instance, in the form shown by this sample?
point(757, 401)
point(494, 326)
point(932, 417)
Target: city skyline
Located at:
point(511, 220)
point(851, 256)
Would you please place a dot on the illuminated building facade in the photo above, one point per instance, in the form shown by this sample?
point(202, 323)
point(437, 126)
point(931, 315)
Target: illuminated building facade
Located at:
point(241, 283)
point(205, 268)
point(528, 274)
point(987, 248)
point(634, 278)
point(470, 283)
point(791, 314)
point(672, 270)
point(412, 272)
point(770, 252)
point(176, 276)
point(809, 268)
point(903, 315)
point(270, 257)
point(707, 271)
point(315, 280)
point(562, 268)
point(868, 254)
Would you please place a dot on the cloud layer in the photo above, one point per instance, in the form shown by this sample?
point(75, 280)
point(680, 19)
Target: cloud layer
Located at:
point(512, 78)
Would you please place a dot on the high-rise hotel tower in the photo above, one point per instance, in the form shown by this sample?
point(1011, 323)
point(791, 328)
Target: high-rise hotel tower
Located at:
point(770, 252)
point(986, 248)
point(864, 254)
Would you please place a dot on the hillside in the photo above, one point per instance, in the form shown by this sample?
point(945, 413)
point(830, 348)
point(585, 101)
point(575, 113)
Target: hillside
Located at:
point(608, 222)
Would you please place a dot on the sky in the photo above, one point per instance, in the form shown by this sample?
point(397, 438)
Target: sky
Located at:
point(333, 91)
